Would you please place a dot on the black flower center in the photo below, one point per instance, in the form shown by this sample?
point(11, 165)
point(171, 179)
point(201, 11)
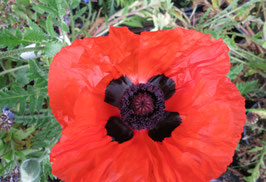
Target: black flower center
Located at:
point(141, 107)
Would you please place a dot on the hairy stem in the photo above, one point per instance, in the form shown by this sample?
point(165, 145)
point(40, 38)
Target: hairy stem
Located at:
point(18, 51)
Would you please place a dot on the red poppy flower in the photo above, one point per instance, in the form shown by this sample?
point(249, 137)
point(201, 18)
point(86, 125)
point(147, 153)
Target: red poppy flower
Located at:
point(151, 107)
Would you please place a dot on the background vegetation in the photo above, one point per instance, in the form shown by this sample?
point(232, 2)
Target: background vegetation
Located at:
point(33, 31)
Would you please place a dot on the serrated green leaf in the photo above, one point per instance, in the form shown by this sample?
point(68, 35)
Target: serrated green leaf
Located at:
point(48, 9)
point(234, 71)
point(10, 97)
point(49, 27)
point(74, 4)
point(80, 12)
point(17, 94)
point(32, 36)
point(21, 76)
point(34, 26)
point(7, 39)
point(52, 48)
point(247, 87)
point(255, 172)
point(37, 74)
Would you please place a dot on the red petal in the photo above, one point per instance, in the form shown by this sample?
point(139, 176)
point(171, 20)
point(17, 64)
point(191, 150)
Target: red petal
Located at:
point(170, 52)
point(92, 64)
point(213, 116)
point(82, 138)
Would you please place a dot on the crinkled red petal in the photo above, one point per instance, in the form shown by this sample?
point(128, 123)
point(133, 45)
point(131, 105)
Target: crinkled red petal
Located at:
point(91, 64)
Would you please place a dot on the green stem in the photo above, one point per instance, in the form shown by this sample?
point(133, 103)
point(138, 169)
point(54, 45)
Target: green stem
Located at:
point(72, 21)
point(14, 69)
point(18, 51)
point(61, 19)
point(87, 20)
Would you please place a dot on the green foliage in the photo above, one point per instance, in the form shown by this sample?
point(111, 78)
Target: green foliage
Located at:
point(235, 71)
point(46, 170)
point(247, 87)
point(255, 173)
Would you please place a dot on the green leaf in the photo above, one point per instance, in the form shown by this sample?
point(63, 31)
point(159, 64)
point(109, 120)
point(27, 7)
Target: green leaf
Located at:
point(74, 4)
point(17, 94)
point(65, 27)
point(247, 87)
point(235, 71)
point(260, 112)
point(49, 2)
point(9, 98)
point(34, 26)
point(21, 76)
point(20, 155)
point(30, 170)
point(23, 2)
point(46, 169)
point(256, 149)
point(48, 10)
point(18, 34)
point(52, 48)
point(5, 167)
point(134, 21)
point(37, 9)
point(255, 172)
point(8, 39)
point(62, 12)
point(80, 12)
point(49, 27)
point(37, 74)
point(20, 134)
point(33, 36)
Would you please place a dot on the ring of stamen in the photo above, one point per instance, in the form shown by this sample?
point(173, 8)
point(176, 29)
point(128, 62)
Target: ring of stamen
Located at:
point(142, 106)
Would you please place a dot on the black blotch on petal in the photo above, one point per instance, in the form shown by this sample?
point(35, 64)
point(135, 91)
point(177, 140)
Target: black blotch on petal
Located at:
point(114, 91)
point(118, 130)
point(165, 127)
point(167, 85)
